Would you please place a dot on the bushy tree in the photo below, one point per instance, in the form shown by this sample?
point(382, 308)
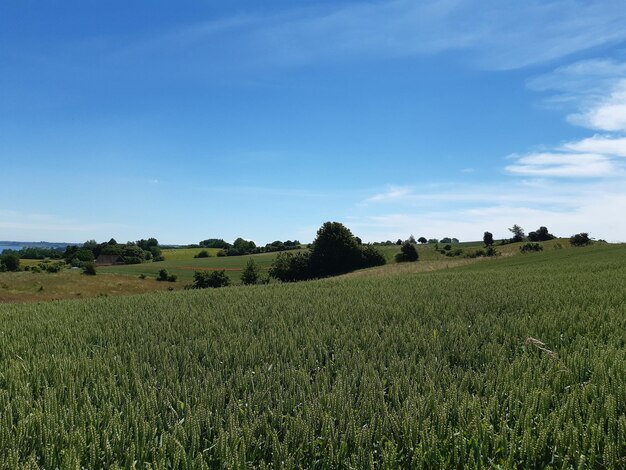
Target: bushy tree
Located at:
point(540, 235)
point(163, 275)
point(518, 233)
point(371, 257)
point(290, 267)
point(250, 274)
point(9, 262)
point(407, 253)
point(530, 247)
point(206, 279)
point(89, 269)
point(580, 239)
point(334, 250)
point(202, 254)
point(488, 239)
point(422, 240)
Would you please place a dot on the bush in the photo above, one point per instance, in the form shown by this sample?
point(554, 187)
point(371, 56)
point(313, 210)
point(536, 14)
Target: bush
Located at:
point(203, 254)
point(335, 251)
point(163, 275)
point(371, 257)
point(10, 262)
point(447, 247)
point(491, 251)
point(453, 253)
point(205, 279)
point(580, 239)
point(530, 247)
point(289, 267)
point(250, 274)
point(142, 276)
point(540, 235)
point(172, 278)
point(89, 269)
point(407, 253)
point(222, 253)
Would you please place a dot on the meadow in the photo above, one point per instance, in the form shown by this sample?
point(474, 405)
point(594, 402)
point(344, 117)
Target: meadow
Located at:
point(517, 362)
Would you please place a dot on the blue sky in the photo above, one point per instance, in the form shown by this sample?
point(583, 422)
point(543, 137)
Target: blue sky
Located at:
point(192, 120)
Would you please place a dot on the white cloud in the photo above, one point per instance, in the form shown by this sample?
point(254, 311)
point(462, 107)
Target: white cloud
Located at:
point(580, 165)
point(607, 114)
point(599, 144)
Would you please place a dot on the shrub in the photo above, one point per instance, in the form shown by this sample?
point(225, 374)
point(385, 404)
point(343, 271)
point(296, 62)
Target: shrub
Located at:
point(447, 247)
point(163, 275)
point(250, 274)
point(455, 252)
point(540, 235)
point(371, 257)
point(172, 278)
point(407, 253)
point(580, 239)
point(142, 276)
point(491, 251)
point(205, 279)
point(89, 269)
point(222, 253)
point(289, 267)
point(530, 247)
point(10, 262)
point(202, 254)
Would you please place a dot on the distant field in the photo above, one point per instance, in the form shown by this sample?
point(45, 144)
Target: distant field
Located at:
point(517, 362)
point(124, 280)
point(175, 254)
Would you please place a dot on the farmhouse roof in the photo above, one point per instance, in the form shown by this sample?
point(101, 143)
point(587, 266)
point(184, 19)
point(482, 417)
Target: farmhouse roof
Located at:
point(104, 260)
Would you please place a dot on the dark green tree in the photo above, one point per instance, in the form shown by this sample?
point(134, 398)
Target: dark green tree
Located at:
point(250, 274)
point(10, 262)
point(518, 233)
point(407, 253)
point(334, 250)
point(488, 239)
point(422, 240)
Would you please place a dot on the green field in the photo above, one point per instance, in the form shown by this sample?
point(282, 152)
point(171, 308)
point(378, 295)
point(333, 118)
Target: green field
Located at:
point(518, 362)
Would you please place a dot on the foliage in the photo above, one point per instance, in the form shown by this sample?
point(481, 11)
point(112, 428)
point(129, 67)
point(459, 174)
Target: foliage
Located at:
point(214, 243)
point(407, 253)
point(580, 239)
point(334, 251)
point(488, 239)
point(202, 254)
point(540, 235)
point(491, 251)
point(445, 240)
point(89, 269)
point(163, 275)
point(460, 368)
point(371, 257)
point(290, 267)
point(422, 240)
point(9, 261)
point(40, 253)
point(172, 278)
point(250, 274)
point(518, 233)
point(530, 247)
point(206, 279)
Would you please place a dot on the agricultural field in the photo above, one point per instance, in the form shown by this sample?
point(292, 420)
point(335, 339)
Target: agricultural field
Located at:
point(516, 362)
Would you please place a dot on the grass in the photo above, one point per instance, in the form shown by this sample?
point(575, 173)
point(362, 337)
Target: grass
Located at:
point(517, 362)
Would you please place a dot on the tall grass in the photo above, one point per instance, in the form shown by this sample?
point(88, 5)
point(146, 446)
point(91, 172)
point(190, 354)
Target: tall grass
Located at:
point(430, 370)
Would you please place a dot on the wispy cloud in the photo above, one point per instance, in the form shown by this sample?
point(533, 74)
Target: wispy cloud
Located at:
point(496, 35)
point(578, 165)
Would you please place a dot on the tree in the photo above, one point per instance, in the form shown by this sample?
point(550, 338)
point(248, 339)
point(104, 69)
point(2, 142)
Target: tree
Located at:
point(422, 240)
point(334, 251)
point(250, 274)
point(289, 267)
point(202, 254)
point(412, 239)
point(205, 279)
point(580, 239)
point(10, 262)
point(518, 233)
point(488, 239)
point(407, 253)
point(540, 235)
point(89, 269)
point(371, 257)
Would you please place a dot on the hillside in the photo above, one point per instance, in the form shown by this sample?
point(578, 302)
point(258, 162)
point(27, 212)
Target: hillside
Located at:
point(515, 362)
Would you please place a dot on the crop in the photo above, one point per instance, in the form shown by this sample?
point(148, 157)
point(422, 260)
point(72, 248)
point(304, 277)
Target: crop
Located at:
point(516, 362)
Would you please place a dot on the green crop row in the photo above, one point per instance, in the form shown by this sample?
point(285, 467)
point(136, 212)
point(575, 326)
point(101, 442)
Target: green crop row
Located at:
point(516, 362)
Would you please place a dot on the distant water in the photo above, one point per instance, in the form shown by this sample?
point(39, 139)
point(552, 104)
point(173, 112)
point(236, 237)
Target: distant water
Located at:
point(10, 247)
